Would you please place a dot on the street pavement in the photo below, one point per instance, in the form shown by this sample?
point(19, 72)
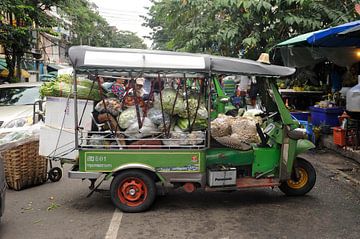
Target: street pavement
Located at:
point(62, 210)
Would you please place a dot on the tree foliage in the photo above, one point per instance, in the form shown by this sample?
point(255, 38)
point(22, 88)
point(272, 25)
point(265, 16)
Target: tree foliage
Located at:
point(18, 19)
point(240, 27)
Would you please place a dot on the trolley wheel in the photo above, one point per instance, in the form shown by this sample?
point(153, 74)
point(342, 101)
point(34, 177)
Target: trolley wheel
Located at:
point(133, 191)
point(55, 174)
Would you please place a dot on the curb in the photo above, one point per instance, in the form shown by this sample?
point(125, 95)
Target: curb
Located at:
point(327, 142)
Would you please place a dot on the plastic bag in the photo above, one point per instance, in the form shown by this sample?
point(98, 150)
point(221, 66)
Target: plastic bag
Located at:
point(156, 116)
point(113, 106)
point(127, 117)
point(147, 129)
point(183, 138)
point(13, 137)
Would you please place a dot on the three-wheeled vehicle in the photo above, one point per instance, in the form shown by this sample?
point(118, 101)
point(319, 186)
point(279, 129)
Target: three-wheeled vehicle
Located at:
point(201, 162)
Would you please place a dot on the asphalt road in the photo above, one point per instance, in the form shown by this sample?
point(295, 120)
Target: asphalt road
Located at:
point(61, 210)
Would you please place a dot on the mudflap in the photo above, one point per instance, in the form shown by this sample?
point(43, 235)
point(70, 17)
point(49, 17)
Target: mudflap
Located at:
point(303, 145)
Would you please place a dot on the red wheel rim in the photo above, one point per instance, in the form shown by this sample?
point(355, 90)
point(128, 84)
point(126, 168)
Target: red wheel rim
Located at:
point(132, 192)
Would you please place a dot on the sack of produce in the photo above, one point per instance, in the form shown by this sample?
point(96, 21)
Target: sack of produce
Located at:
point(221, 126)
point(200, 124)
point(193, 105)
point(147, 129)
point(195, 137)
point(176, 138)
point(156, 116)
point(245, 130)
point(253, 114)
point(168, 99)
point(113, 106)
point(234, 142)
point(97, 140)
point(184, 138)
point(126, 117)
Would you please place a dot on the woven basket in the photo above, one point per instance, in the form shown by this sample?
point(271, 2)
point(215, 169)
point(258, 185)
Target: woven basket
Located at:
point(23, 166)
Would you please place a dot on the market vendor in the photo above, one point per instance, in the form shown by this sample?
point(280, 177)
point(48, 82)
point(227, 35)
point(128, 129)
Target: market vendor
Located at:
point(139, 87)
point(118, 88)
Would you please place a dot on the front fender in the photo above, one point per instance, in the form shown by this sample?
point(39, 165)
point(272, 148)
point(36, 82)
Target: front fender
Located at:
point(303, 145)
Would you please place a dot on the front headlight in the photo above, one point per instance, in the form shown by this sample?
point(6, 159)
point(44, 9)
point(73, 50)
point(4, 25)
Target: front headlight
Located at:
point(19, 122)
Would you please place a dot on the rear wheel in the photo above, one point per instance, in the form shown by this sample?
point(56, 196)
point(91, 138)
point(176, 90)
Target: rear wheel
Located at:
point(303, 182)
point(133, 191)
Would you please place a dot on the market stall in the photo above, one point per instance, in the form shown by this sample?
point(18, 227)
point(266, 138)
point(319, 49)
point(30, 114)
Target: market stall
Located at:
point(332, 57)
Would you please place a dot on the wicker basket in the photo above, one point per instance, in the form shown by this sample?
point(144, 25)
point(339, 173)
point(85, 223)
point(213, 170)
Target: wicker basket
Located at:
point(23, 166)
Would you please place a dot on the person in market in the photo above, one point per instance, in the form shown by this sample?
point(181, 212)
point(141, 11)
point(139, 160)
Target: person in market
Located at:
point(118, 88)
point(254, 86)
point(336, 74)
point(139, 87)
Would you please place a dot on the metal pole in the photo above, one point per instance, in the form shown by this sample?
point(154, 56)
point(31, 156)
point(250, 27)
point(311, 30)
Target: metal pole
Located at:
point(76, 113)
point(37, 65)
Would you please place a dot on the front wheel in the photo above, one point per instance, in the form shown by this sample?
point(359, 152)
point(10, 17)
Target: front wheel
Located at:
point(303, 183)
point(133, 191)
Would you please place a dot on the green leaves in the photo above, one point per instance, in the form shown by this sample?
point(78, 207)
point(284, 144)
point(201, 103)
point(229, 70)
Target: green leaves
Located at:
point(229, 26)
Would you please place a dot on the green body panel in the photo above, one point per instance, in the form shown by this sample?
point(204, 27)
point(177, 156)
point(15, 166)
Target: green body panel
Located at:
point(227, 156)
point(303, 145)
point(266, 160)
point(288, 151)
point(291, 155)
point(284, 112)
point(158, 160)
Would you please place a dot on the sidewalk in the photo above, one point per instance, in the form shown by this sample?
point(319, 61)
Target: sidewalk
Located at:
point(327, 142)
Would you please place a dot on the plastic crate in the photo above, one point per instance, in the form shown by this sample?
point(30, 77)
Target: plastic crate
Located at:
point(326, 116)
point(303, 116)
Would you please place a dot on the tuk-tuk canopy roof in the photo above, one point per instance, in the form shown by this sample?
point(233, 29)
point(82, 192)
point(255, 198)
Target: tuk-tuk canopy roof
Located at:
point(94, 59)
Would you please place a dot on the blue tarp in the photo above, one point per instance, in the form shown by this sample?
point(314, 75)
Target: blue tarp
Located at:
point(332, 37)
point(345, 35)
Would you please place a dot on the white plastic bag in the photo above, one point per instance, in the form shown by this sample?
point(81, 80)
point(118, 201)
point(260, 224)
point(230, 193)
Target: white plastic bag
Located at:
point(147, 129)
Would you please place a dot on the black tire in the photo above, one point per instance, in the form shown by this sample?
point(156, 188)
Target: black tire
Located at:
point(304, 184)
point(55, 174)
point(133, 191)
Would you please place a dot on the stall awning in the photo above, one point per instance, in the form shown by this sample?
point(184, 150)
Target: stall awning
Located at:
point(336, 44)
point(298, 40)
point(345, 35)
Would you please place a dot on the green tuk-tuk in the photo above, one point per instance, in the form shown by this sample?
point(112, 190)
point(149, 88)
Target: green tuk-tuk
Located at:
point(138, 165)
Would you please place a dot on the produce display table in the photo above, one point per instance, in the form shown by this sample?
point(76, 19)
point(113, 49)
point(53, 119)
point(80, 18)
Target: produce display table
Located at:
point(301, 99)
